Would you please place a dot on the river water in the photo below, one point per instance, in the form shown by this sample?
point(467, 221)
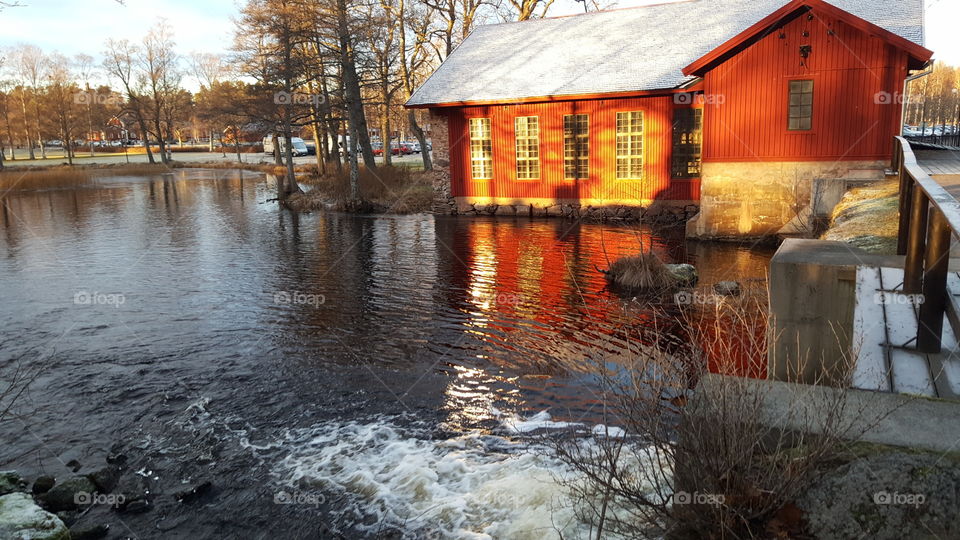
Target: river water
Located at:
point(373, 375)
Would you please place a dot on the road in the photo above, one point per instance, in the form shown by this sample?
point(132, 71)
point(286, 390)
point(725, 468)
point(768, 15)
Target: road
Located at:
point(55, 157)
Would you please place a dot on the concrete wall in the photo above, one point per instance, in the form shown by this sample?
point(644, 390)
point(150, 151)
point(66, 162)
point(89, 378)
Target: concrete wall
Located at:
point(751, 200)
point(812, 299)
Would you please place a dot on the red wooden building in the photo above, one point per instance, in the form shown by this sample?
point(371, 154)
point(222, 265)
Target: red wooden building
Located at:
point(732, 107)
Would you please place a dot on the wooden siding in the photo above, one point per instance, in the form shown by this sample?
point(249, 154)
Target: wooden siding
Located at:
point(745, 117)
point(601, 184)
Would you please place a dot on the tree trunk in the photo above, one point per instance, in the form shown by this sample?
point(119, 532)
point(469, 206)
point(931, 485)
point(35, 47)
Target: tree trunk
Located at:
point(354, 166)
point(421, 138)
point(26, 126)
point(236, 143)
point(277, 158)
point(385, 134)
point(351, 83)
point(146, 137)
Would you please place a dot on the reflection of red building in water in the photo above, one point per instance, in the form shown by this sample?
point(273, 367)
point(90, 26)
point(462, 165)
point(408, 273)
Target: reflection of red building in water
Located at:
point(731, 105)
point(531, 288)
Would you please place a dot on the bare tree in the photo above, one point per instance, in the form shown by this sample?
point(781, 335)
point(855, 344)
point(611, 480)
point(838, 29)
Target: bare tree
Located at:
point(158, 63)
point(120, 62)
point(61, 94)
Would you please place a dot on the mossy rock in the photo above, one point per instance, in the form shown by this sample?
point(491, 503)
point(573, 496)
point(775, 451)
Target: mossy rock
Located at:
point(21, 518)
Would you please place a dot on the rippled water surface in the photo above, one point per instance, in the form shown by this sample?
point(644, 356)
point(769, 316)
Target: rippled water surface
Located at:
point(186, 322)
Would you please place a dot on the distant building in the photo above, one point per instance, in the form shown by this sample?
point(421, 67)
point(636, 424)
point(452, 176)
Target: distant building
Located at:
point(729, 107)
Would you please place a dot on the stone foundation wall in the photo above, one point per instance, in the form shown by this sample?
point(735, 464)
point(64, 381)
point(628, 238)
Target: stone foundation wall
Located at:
point(666, 212)
point(752, 200)
point(443, 201)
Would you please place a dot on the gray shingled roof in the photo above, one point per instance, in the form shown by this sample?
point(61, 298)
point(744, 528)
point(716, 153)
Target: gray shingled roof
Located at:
point(616, 51)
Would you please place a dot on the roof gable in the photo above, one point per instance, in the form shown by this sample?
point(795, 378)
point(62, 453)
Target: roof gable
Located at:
point(918, 54)
point(618, 51)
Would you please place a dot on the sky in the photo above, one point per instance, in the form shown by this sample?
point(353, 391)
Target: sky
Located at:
point(75, 26)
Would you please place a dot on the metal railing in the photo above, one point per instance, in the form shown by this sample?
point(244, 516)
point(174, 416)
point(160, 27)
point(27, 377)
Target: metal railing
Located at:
point(929, 218)
point(949, 141)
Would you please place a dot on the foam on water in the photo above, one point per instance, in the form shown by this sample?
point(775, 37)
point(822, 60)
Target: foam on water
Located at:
point(474, 486)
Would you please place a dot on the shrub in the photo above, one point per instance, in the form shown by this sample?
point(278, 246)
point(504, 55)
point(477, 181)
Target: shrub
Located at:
point(704, 461)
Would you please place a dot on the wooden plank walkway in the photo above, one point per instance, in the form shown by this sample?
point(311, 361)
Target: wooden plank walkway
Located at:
point(885, 330)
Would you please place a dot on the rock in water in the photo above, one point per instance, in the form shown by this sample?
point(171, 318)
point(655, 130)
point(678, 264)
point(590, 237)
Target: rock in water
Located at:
point(43, 484)
point(68, 494)
point(685, 274)
point(11, 482)
point(20, 517)
point(727, 288)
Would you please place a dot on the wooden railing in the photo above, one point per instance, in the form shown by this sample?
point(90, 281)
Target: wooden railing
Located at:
point(929, 218)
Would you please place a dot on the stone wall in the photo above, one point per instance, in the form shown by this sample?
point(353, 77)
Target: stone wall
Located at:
point(443, 202)
point(750, 200)
point(665, 212)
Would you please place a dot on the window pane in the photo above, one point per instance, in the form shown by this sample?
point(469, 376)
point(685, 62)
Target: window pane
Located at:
point(800, 108)
point(687, 143)
point(527, 130)
point(629, 145)
point(481, 149)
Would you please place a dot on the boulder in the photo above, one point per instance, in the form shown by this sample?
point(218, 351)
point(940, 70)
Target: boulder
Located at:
point(66, 494)
point(43, 484)
point(685, 274)
point(106, 478)
point(886, 496)
point(89, 532)
point(21, 518)
point(11, 482)
point(193, 492)
point(727, 288)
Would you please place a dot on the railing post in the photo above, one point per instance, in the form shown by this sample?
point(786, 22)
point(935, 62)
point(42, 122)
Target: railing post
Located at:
point(906, 190)
point(913, 267)
point(930, 327)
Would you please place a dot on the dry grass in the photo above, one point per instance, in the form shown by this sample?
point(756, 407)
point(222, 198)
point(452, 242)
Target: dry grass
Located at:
point(394, 190)
point(867, 217)
point(642, 273)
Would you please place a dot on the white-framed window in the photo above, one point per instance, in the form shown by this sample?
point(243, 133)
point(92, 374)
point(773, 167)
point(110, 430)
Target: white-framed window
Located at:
point(800, 115)
point(629, 145)
point(528, 147)
point(576, 146)
point(481, 149)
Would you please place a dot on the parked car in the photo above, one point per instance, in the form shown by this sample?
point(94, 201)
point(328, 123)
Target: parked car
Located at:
point(415, 147)
point(377, 149)
point(400, 148)
point(298, 148)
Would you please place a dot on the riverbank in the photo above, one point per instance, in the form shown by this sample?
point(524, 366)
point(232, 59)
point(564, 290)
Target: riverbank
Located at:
point(388, 190)
point(867, 217)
